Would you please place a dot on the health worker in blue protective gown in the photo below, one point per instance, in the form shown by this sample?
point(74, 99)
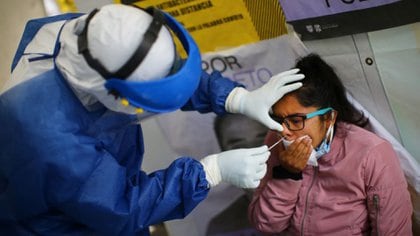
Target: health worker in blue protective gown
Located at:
point(71, 144)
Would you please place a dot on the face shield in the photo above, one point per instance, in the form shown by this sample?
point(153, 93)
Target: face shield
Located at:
point(158, 95)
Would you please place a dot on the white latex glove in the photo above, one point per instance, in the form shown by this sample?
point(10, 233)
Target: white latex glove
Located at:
point(243, 168)
point(257, 104)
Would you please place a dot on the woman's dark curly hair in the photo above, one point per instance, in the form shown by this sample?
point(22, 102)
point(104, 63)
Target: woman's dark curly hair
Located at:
point(323, 88)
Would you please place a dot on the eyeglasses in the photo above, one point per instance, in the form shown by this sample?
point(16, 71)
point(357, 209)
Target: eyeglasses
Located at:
point(296, 122)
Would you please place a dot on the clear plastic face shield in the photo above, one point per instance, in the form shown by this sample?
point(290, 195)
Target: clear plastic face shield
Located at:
point(152, 96)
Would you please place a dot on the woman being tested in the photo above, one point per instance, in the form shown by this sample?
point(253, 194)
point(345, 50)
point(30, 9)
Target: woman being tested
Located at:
point(71, 144)
point(330, 176)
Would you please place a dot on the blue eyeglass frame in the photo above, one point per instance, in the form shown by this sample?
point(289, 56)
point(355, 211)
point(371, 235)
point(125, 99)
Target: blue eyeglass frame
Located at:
point(319, 112)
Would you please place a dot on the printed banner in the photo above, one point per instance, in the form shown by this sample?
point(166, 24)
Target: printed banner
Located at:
point(219, 24)
point(251, 65)
point(317, 19)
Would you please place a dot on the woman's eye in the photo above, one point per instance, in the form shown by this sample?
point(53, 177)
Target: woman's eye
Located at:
point(295, 120)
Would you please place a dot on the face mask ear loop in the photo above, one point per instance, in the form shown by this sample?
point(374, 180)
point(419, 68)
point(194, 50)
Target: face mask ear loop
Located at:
point(330, 131)
point(325, 144)
point(330, 134)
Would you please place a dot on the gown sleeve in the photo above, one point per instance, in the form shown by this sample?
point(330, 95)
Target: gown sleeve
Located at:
point(113, 204)
point(211, 94)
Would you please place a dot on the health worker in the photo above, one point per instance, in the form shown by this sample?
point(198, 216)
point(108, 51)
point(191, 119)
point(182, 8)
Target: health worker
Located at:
point(71, 144)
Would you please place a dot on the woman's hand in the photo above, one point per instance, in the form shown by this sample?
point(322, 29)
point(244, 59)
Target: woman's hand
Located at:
point(295, 157)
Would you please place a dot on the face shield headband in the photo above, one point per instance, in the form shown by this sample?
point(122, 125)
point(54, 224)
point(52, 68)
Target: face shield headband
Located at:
point(162, 95)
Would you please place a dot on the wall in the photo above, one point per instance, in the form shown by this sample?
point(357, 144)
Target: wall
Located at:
point(14, 16)
point(397, 53)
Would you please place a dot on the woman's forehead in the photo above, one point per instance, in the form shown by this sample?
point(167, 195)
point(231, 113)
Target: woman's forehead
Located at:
point(289, 105)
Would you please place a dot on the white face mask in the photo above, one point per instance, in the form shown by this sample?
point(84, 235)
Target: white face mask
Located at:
point(312, 161)
point(316, 153)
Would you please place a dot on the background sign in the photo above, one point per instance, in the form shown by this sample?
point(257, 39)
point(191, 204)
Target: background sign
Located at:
point(220, 24)
point(317, 19)
point(297, 10)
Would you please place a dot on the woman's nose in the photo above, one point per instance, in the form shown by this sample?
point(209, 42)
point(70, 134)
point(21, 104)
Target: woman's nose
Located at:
point(286, 132)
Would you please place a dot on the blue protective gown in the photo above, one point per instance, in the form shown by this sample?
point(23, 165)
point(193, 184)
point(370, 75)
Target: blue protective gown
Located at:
point(65, 170)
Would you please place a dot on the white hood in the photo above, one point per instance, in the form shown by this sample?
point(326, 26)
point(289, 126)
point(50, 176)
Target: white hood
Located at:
point(114, 34)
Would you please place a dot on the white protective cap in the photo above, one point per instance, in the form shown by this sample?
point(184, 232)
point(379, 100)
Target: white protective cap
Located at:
point(116, 31)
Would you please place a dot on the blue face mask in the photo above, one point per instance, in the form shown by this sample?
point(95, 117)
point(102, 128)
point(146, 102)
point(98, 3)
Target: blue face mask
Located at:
point(325, 145)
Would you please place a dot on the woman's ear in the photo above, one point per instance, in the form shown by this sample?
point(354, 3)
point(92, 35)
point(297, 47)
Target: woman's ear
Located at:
point(330, 118)
point(333, 116)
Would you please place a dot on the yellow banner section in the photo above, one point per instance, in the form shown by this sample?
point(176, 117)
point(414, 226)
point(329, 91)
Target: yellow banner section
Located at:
point(221, 24)
point(66, 6)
